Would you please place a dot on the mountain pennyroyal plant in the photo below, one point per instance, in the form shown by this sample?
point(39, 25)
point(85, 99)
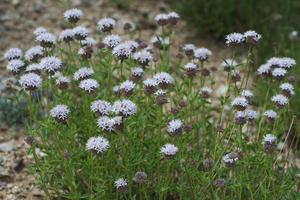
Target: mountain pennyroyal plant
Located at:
point(274, 62)
point(205, 92)
point(142, 57)
point(106, 24)
point(287, 89)
point(112, 41)
point(106, 124)
point(269, 143)
point(62, 82)
point(169, 151)
point(127, 26)
point(34, 53)
point(227, 65)
point(220, 182)
point(80, 32)
point(73, 15)
point(162, 19)
point(293, 35)
point(29, 139)
point(291, 79)
point(66, 155)
point(118, 123)
point(230, 160)
point(189, 49)
point(136, 74)
point(240, 118)
point(60, 113)
point(124, 108)
point(133, 45)
point(161, 43)
point(47, 40)
point(121, 185)
point(163, 79)
point(235, 77)
point(140, 177)
point(83, 73)
point(51, 64)
point(251, 114)
point(88, 41)
point(101, 107)
point(234, 39)
point(173, 18)
point(149, 86)
point(202, 54)
point(13, 53)
point(287, 63)
point(240, 103)
point(190, 70)
point(127, 88)
point(86, 52)
point(122, 51)
point(182, 103)
point(175, 128)
point(247, 94)
point(15, 66)
point(66, 35)
point(115, 90)
point(208, 162)
point(30, 81)
point(270, 115)
point(34, 68)
point(89, 85)
point(265, 70)
point(39, 30)
point(187, 128)
point(97, 145)
point(160, 98)
point(219, 128)
point(252, 37)
point(175, 110)
point(279, 101)
point(279, 74)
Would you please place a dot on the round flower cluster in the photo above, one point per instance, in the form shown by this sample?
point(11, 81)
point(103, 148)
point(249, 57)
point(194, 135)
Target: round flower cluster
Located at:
point(106, 123)
point(220, 182)
point(51, 64)
point(175, 127)
point(250, 114)
point(124, 108)
point(287, 90)
point(265, 70)
point(227, 64)
point(34, 68)
point(190, 70)
point(173, 18)
point(208, 162)
point(112, 41)
point(161, 19)
point(80, 32)
point(247, 94)
point(189, 49)
point(240, 103)
point(169, 151)
point(39, 30)
point(160, 98)
point(60, 113)
point(83, 73)
point(122, 51)
point(66, 35)
point(13, 53)
point(127, 88)
point(279, 101)
point(240, 118)
point(234, 39)
point(136, 75)
point(293, 35)
point(163, 79)
point(142, 57)
point(73, 15)
point(202, 54)
point(106, 24)
point(160, 43)
point(101, 107)
point(235, 77)
point(121, 185)
point(271, 115)
point(269, 143)
point(133, 45)
point(230, 160)
point(287, 63)
point(149, 86)
point(252, 37)
point(30, 81)
point(205, 92)
point(15, 66)
point(140, 177)
point(47, 40)
point(62, 82)
point(97, 144)
point(279, 74)
point(89, 85)
point(274, 62)
point(34, 53)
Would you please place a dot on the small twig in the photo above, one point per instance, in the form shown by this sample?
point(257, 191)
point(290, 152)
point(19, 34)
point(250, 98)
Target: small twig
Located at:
point(260, 185)
point(287, 158)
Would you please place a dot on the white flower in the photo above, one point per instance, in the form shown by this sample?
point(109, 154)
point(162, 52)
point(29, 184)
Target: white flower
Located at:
point(137, 71)
point(240, 101)
point(73, 13)
point(169, 150)
point(202, 53)
point(174, 125)
point(83, 73)
point(112, 40)
point(106, 23)
point(279, 72)
point(246, 93)
point(265, 68)
point(253, 34)
point(121, 182)
point(60, 112)
point(40, 30)
point(287, 86)
point(251, 114)
point(158, 92)
point(269, 138)
point(98, 144)
point(229, 61)
point(13, 53)
point(101, 106)
point(150, 82)
point(206, 89)
point(88, 85)
point(188, 47)
point(127, 85)
point(270, 114)
point(190, 66)
point(280, 99)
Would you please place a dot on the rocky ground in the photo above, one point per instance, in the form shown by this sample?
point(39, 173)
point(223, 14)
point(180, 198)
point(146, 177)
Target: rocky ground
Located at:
point(19, 18)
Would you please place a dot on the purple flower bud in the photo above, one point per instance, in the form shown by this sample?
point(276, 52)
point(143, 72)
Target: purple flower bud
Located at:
point(189, 49)
point(175, 110)
point(180, 55)
point(155, 59)
point(9, 83)
point(100, 45)
point(291, 79)
point(143, 45)
point(269, 143)
point(162, 19)
point(208, 163)
point(219, 128)
point(138, 40)
point(127, 26)
point(257, 74)
point(187, 128)
point(240, 118)
point(182, 103)
point(140, 177)
point(214, 68)
point(29, 139)
point(235, 77)
point(121, 185)
point(66, 155)
point(160, 98)
point(205, 72)
point(220, 182)
point(205, 92)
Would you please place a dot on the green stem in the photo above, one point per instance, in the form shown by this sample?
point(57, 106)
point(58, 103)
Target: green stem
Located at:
point(248, 56)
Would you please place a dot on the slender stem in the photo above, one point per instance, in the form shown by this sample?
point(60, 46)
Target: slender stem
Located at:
point(248, 56)
point(108, 77)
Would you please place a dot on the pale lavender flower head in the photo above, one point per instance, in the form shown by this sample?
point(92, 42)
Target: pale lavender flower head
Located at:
point(97, 144)
point(140, 177)
point(66, 35)
point(251, 114)
point(83, 73)
point(252, 37)
point(279, 74)
point(62, 82)
point(190, 70)
point(220, 182)
point(205, 92)
point(115, 90)
point(208, 162)
point(265, 70)
point(279, 101)
point(287, 63)
point(89, 85)
point(269, 143)
point(173, 18)
point(106, 124)
point(88, 41)
point(235, 77)
point(29, 139)
point(287, 90)
point(73, 15)
point(270, 115)
point(293, 35)
point(169, 151)
point(161, 43)
point(39, 30)
point(13, 53)
point(240, 118)
point(162, 19)
point(247, 94)
point(122, 51)
point(227, 65)
point(34, 68)
point(30, 81)
point(133, 45)
point(160, 97)
point(60, 113)
point(274, 62)
point(118, 123)
point(51, 64)
point(121, 185)
point(124, 108)
point(136, 74)
point(127, 88)
point(47, 40)
point(189, 49)
point(142, 57)
point(175, 127)
point(101, 107)
point(230, 160)
point(15, 66)
point(163, 79)
point(34, 53)
point(106, 24)
point(234, 39)
point(80, 32)
point(112, 41)
point(240, 103)
point(202, 54)
point(149, 86)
